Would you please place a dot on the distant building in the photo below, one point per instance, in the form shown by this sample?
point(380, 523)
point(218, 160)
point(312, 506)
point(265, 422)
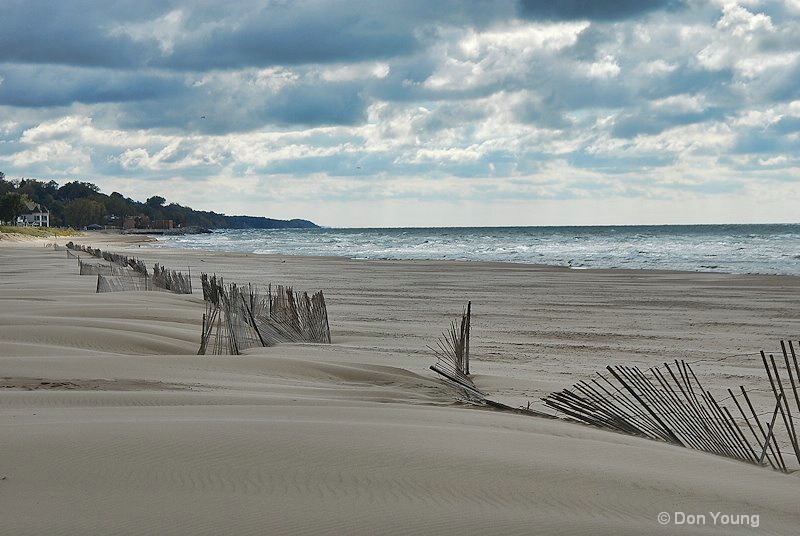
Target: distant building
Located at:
point(143, 222)
point(37, 216)
point(136, 222)
point(162, 224)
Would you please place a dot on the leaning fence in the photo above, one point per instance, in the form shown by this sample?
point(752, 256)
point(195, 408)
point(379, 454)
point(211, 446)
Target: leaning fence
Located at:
point(664, 403)
point(669, 403)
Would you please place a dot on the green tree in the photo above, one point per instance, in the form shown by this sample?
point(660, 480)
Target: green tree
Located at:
point(12, 205)
point(156, 201)
point(40, 192)
point(154, 207)
point(77, 190)
point(82, 212)
point(5, 186)
point(56, 214)
point(117, 206)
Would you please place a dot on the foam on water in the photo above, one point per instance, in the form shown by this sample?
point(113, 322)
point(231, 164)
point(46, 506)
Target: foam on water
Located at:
point(770, 249)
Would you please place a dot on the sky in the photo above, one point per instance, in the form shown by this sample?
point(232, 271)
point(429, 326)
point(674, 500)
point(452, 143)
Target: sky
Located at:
point(413, 113)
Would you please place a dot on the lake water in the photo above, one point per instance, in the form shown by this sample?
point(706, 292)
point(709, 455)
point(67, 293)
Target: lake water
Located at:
point(769, 249)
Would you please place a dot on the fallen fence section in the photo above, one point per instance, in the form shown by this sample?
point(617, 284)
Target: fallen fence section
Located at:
point(668, 403)
point(239, 317)
point(452, 364)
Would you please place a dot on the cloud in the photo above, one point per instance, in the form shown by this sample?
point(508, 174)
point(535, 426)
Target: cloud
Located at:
point(666, 113)
point(241, 101)
point(287, 36)
point(73, 33)
point(602, 10)
point(203, 36)
point(336, 103)
point(468, 102)
point(29, 85)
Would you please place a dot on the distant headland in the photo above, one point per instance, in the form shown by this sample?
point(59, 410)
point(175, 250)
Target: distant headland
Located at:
point(82, 205)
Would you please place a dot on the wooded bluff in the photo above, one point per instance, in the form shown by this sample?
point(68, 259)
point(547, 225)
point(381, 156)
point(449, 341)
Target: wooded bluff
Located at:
point(78, 204)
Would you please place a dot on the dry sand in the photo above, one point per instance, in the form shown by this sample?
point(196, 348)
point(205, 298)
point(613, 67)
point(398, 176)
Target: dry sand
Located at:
point(110, 424)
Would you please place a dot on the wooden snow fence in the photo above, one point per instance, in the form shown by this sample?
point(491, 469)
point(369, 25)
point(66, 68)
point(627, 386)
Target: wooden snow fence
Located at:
point(171, 280)
point(127, 282)
point(226, 331)
point(452, 354)
point(132, 273)
point(67, 250)
point(665, 403)
point(86, 268)
point(121, 260)
point(138, 278)
point(86, 249)
point(668, 403)
point(241, 317)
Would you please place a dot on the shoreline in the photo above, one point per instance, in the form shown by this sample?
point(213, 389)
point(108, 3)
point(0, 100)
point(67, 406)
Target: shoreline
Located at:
point(359, 434)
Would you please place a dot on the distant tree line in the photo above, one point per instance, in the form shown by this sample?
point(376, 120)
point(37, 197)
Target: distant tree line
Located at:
point(78, 204)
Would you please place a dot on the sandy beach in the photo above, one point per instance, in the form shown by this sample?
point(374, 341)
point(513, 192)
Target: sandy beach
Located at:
point(111, 424)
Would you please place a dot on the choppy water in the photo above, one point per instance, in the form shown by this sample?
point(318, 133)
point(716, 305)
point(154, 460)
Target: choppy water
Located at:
point(770, 249)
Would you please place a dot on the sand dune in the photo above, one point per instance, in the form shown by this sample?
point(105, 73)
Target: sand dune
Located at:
point(109, 424)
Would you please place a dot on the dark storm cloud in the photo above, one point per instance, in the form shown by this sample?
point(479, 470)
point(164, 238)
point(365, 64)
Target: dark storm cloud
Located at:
point(602, 10)
point(313, 31)
point(55, 85)
point(219, 108)
point(218, 35)
point(287, 37)
point(75, 32)
point(313, 105)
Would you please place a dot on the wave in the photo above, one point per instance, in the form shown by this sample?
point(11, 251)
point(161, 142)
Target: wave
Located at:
point(767, 249)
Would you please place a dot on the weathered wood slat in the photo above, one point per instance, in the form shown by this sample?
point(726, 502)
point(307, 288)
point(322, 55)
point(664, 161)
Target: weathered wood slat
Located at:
point(253, 319)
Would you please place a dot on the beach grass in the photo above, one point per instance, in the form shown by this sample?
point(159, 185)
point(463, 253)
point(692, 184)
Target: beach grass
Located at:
point(38, 232)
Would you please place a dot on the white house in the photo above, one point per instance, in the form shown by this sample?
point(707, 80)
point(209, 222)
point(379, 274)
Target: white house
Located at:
point(37, 216)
